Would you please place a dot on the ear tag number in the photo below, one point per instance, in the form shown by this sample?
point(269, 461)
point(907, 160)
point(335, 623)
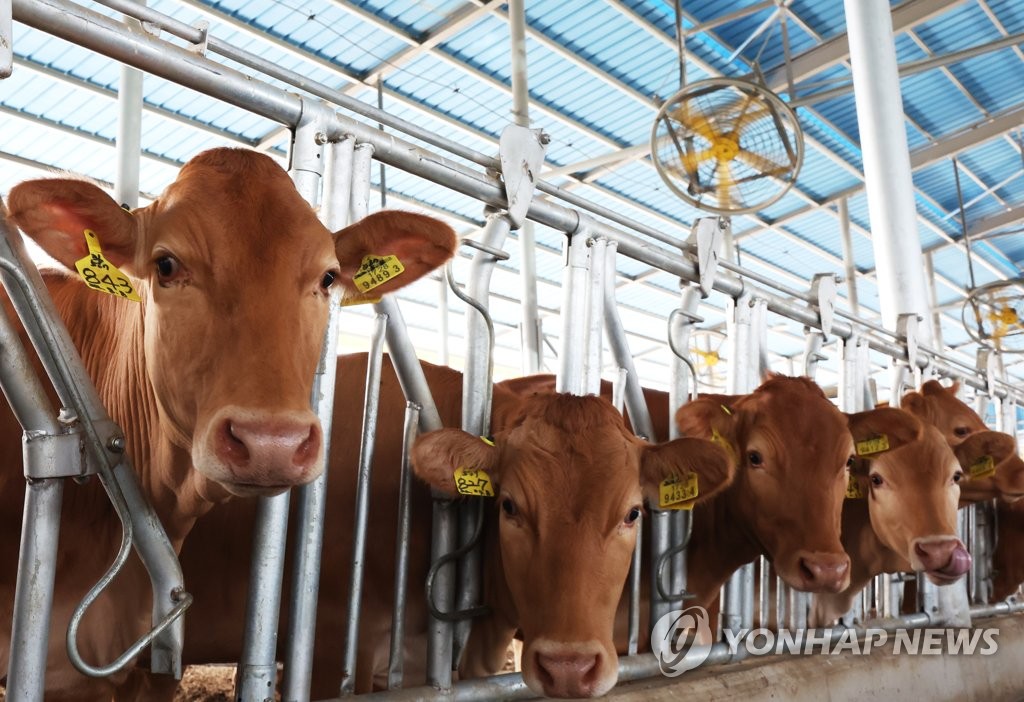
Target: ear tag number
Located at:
point(102, 275)
point(359, 300)
point(377, 270)
point(474, 482)
point(853, 491)
point(678, 493)
point(982, 468)
point(869, 447)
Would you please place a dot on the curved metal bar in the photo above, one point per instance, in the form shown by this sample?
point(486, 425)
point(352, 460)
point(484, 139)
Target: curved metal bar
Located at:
point(479, 307)
point(682, 355)
point(663, 563)
point(184, 601)
point(444, 560)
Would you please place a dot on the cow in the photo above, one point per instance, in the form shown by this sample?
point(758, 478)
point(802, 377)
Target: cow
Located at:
point(792, 449)
point(940, 407)
point(569, 482)
point(209, 373)
point(900, 514)
point(1007, 558)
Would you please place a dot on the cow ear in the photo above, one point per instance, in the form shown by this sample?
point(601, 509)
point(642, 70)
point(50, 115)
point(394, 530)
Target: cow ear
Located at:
point(438, 454)
point(56, 212)
point(915, 403)
point(933, 387)
point(977, 446)
point(705, 416)
point(418, 242)
point(897, 426)
point(711, 463)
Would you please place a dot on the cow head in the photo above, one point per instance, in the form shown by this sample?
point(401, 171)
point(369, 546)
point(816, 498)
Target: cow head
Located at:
point(234, 271)
point(792, 449)
point(940, 407)
point(912, 494)
point(571, 480)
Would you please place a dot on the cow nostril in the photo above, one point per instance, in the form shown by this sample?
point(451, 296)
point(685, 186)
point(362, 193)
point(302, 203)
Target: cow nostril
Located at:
point(231, 448)
point(309, 449)
point(806, 571)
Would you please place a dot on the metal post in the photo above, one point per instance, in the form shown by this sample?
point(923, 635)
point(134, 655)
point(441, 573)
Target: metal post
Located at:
point(571, 371)
point(936, 317)
point(883, 140)
point(849, 263)
point(6, 38)
point(396, 661)
point(362, 506)
point(129, 130)
point(308, 538)
point(442, 321)
point(595, 314)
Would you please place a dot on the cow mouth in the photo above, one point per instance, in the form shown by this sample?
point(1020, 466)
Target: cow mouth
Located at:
point(958, 565)
point(255, 489)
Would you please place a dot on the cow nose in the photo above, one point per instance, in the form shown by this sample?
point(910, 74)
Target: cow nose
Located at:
point(825, 572)
point(268, 451)
point(944, 559)
point(571, 675)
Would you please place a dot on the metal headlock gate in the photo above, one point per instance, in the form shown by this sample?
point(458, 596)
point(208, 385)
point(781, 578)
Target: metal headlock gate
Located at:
point(332, 154)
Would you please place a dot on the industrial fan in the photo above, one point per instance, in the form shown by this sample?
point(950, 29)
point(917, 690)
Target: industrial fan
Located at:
point(993, 315)
point(705, 348)
point(727, 146)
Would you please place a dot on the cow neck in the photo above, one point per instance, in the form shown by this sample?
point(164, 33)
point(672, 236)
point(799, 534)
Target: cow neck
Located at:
point(721, 542)
point(109, 333)
point(869, 556)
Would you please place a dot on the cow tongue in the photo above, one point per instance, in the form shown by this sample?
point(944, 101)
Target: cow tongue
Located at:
point(959, 563)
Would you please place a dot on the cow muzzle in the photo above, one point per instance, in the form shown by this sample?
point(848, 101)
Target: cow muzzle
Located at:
point(943, 559)
point(255, 453)
point(818, 571)
point(569, 670)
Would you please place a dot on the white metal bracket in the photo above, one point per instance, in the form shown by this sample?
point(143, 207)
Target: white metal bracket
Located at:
point(204, 38)
point(823, 289)
point(906, 327)
point(707, 234)
point(521, 152)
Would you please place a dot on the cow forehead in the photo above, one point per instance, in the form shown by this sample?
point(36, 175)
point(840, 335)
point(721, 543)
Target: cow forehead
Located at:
point(237, 202)
point(797, 414)
point(928, 458)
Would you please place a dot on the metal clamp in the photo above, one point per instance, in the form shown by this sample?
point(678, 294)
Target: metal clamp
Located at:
point(707, 234)
point(200, 47)
point(521, 153)
point(906, 327)
point(823, 289)
point(54, 455)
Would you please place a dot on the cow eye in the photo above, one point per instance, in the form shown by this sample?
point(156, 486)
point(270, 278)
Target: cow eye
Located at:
point(167, 268)
point(876, 479)
point(962, 431)
point(849, 462)
point(328, 280)
point(755, 458)
point(509, 507)
point(632, 516)
point(958, 476)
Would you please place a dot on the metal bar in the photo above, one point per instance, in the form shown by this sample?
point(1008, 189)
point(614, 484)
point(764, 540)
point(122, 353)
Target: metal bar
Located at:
point(571, 357)
point(890, 189)
point(362, 506)
point(633, 633)
point(129, 131)
point(396, 661)
point(849, 264)
point(257, 668)
point(6, 39)
point(595, 314)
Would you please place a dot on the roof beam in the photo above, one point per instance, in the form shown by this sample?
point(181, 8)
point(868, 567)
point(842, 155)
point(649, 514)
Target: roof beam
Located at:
point(986, 225)
point(976, 134)
point(837, 49)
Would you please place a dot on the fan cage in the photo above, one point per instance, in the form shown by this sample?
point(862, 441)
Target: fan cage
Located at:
point(993, 315)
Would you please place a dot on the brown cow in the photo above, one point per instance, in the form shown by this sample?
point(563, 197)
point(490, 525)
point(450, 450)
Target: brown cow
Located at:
point(571, 482)
point(792, 448)
point(233, 270)
point(1008, 556)
point(940, 407)
point(906, 519)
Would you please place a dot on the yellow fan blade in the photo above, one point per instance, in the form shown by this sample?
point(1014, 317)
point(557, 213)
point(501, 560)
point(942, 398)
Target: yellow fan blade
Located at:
point(698, 124)
point(710, 358)
point(725, 183)
point(691, 160)
point(761, 164)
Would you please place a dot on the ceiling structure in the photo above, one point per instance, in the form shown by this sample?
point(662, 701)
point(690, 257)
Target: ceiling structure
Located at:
point(598, 70)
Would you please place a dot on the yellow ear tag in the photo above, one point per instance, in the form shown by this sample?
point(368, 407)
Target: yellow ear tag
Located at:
point(982, 468)
point(359, 300)
point(475, 483)
point(676, 493)
point(853, 491)
point(377, 270)
point(100, 274)
point(487, 440)
point(869, 447)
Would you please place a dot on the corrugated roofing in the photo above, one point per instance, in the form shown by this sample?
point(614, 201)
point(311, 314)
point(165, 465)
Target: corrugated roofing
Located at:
point(597, 71)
